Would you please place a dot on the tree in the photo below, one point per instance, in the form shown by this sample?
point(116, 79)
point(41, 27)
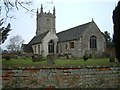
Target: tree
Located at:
point(4, 32)
point(15, 43)
point(116, 22)
point(109, 40)
point(6, 6)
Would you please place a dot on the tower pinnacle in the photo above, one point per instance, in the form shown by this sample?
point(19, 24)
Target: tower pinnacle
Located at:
point(41, 8)
point(37, 12)
point(54, 10)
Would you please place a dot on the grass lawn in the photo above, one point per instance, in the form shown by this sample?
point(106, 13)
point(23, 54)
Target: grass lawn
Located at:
point(58, 63)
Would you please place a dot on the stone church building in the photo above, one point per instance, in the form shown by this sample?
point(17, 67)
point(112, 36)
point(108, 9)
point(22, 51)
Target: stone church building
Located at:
point(76, 41)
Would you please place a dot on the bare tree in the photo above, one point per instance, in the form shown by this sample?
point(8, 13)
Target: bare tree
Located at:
point(15, 43)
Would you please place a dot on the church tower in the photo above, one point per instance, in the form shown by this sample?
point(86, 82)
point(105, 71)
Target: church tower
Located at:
point(45, 21)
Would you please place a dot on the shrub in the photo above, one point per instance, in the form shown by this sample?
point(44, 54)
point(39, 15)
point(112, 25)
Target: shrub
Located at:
point(111, 59)
point(85, 58)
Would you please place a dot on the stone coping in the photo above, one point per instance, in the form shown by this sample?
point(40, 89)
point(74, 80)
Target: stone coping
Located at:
point(62, 68)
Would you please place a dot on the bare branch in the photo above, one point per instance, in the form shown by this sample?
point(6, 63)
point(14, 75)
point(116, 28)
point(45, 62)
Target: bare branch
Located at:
point(23, 6)
point(11, 5)
point(1, 22)
point(16, 4)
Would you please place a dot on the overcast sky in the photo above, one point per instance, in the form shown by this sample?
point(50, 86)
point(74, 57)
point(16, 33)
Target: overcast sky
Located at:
point(69, 13)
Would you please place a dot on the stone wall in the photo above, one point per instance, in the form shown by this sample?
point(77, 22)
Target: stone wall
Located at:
point(97, 77)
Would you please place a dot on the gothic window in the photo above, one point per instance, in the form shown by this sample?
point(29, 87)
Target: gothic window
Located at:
point(71, 44)
point(93, 42)
point(38, 49)
point(60, 48)
point(66, 46)
point(48, 23)
point(35, 50)
point(51, 46)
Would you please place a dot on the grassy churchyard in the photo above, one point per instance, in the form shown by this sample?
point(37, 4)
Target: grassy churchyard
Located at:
point(59, 63)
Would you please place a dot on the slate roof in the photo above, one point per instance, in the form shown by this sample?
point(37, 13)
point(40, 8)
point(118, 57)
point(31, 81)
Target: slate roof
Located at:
point(37, 39)
point(73, 33)
point(27, 48)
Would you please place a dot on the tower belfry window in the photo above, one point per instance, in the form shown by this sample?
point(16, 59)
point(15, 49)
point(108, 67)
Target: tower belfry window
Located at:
point(48, 23)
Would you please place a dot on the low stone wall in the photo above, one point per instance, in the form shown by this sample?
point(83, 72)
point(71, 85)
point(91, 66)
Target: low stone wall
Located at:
point(97, 77)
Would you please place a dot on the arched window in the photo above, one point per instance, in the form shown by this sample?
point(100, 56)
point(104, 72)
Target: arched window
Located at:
point(38, 49)
point(35, 50)
point(93, 42)
point(51, 46)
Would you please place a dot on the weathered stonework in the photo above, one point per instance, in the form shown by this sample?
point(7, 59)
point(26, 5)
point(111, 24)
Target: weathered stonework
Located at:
point(105, 77)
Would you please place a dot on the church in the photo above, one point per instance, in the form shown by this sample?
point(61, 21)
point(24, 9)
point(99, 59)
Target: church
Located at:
point(76, 41)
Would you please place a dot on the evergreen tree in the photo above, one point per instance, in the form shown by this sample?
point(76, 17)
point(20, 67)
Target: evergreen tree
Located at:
point(116, 22)
point(4, 32)
point(109, 40)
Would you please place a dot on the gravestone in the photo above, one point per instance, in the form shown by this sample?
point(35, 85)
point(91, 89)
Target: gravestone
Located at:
point(112, 57)
point(51, 59)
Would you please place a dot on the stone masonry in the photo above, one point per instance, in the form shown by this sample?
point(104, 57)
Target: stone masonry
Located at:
point(98, 77)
